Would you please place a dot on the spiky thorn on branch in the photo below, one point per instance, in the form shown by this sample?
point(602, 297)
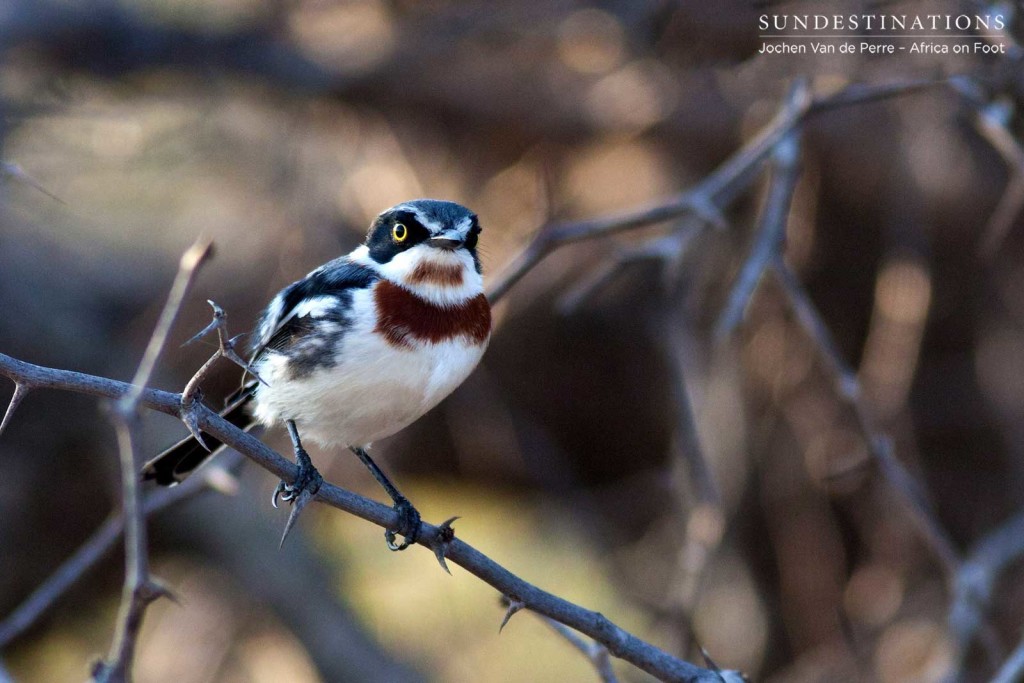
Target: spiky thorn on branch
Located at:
point(140, 590)
point(704, 201)
point(225, 349)
point(215, 477)
point(595, 652)
point(620, 643)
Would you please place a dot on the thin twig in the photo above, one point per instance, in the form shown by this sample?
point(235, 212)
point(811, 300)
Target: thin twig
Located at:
point(975, 582)
point(225, 349)
point(102, 541)
point(1012, 670)
point(189, 265)
point(139, 588)
point(771, 231)
point(879, 444)
point(704, 200)
point(619, 642)
point(992, 122)
point(707, 199)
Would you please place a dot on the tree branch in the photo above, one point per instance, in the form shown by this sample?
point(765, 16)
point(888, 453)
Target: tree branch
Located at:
point(771, 232)
point(879, 445)
point(975, 583)
point(139, 589)
point(619, 642)
point(1012, 670)
point(705, 200)
point(596, 653)
point(102, 541)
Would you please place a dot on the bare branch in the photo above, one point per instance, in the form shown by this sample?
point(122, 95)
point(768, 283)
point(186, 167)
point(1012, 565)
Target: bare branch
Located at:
point(1012, 670)
point(704, 201)
point(620, 643)
point(879, 444)
point(975, 582)
point(771, 231)
point(190, 262)
point(139, 588)
point(97, 546)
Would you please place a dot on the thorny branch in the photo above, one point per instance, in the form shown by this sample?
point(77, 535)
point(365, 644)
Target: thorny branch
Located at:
point(139, 588)
point(596, 653)
point(975, 582)
point(102, 541)
point(620, 643)
point(705, 200)
point(703, 204)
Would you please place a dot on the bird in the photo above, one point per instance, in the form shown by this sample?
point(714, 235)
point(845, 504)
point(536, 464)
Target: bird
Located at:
point(361, 347)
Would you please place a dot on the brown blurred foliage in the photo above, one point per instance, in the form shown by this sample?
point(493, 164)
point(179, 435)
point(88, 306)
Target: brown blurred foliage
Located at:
point(281, 129)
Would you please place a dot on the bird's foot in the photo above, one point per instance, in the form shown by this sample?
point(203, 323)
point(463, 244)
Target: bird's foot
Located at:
point(307, 480)
point(408, 525)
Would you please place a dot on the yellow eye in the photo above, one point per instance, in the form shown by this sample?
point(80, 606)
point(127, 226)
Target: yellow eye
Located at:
point(399, 233)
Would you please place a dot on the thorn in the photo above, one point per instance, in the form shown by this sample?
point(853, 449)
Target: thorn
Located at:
point(708, 662)
point(203, 332)
point(445, 535)
point(513, 607)
point(20, 392)
point(297, 507)
point(154, 589)
point(16, 172)
point(231, 355)
point(191, 421)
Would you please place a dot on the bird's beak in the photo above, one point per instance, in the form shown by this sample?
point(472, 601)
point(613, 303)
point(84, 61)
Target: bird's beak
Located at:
point(446, 243)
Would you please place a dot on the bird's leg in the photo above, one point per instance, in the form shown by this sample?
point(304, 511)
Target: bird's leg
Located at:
point(307, 480)
point(408, 516)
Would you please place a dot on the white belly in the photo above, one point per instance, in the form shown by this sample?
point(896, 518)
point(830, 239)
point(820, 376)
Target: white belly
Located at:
point(373, 389)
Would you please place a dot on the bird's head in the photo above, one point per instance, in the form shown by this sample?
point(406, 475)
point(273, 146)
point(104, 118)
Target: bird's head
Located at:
point(427, 246)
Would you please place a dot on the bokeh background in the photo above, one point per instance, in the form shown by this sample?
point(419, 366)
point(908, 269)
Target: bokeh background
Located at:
point(279, 129)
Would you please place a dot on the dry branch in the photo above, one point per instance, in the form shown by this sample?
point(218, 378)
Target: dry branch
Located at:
point(97, 546)
point(620, 643)
point(139, 588)
point(703, 203)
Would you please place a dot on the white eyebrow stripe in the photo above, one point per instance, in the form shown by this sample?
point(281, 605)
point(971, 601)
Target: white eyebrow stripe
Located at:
point(431, 225)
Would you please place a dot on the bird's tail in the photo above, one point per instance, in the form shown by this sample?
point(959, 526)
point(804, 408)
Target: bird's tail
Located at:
point(180, 460)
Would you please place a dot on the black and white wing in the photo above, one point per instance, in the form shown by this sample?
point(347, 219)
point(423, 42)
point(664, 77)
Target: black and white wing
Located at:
point(323, 295)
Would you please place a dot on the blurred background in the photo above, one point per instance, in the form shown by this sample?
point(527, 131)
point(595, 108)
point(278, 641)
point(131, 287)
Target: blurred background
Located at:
point(697, 491)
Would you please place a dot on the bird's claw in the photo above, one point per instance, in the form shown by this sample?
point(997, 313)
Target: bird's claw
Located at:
point(408, 525)
point(308, 479)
